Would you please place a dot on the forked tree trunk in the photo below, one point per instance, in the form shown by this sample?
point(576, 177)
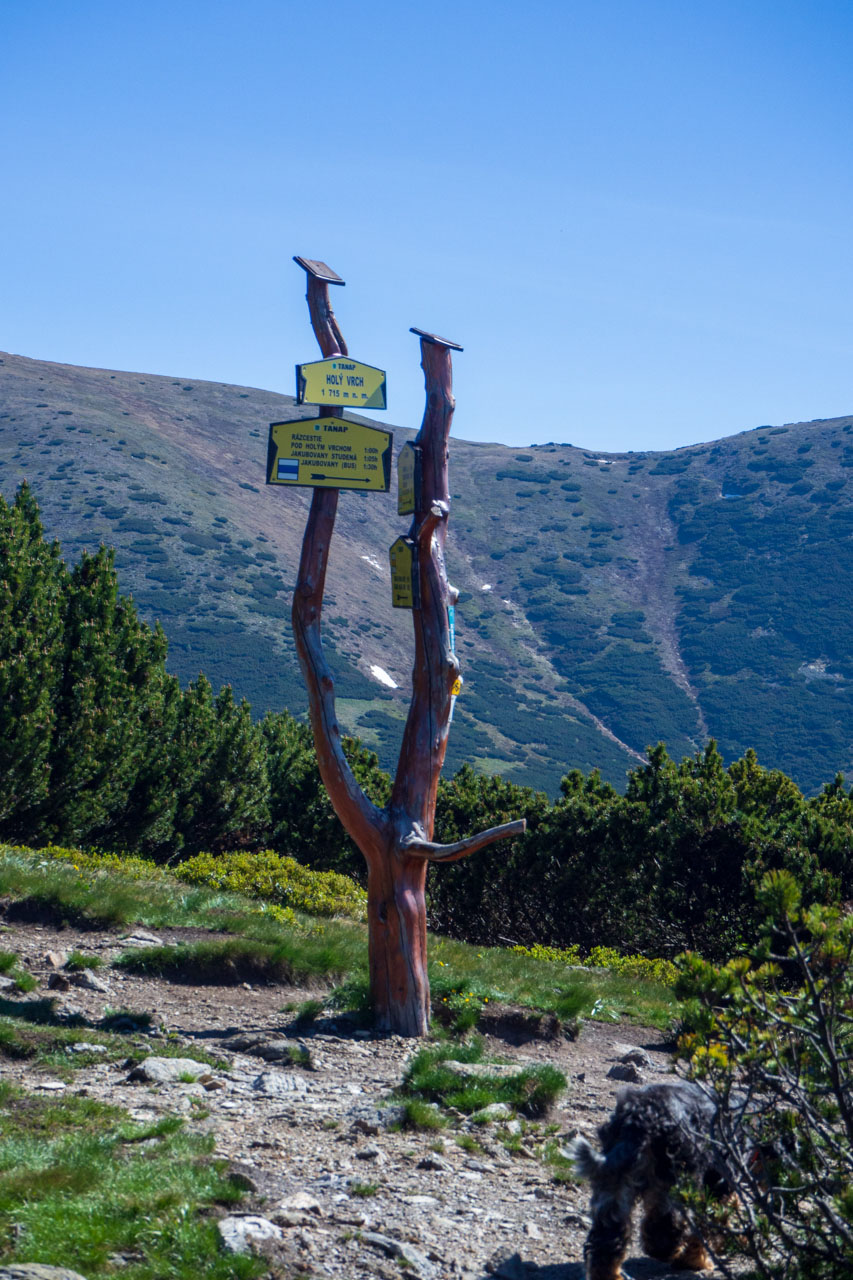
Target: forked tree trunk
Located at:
point(396, 841)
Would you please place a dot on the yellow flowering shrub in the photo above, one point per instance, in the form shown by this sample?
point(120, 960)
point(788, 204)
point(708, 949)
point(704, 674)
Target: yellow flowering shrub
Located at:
point(279, 880)
point(282, 885)
point(135, 868)
point(662, 971)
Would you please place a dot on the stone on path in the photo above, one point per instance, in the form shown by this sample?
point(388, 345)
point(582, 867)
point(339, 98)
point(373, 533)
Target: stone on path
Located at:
point(407, 1254)
point(167, 1070)
point(270, 1046)
point(375, 1120)
point(494, 1111)
point(625, 1071)
point(275, 1084)
point(434, 1162)
point(372, 1152)
point(507, 1266)
point(37, 1271)
point(635, 1054)
point(90, 981)
point(302, 1201)
point(239, 1232)
point(141, 938)
point(495, 1070)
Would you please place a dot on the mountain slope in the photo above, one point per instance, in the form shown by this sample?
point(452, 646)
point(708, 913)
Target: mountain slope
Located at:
point(608, 601)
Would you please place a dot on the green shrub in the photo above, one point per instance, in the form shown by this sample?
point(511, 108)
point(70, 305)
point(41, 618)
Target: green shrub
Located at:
point(134, 868)
point(662, 971)
point(147, 497)
point(204, 541)
point(278, 879)
point(772, 1039)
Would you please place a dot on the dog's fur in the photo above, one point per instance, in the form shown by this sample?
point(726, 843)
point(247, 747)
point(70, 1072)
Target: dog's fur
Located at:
point(656, 1136)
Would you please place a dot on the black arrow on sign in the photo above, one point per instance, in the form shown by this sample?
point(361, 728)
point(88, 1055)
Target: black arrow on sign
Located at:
point(321, 475)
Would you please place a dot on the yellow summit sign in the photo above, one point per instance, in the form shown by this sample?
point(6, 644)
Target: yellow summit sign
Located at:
point(341, 381)
point(329, 453)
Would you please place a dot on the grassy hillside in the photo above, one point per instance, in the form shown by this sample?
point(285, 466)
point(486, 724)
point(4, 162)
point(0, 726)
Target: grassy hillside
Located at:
point(608, 601)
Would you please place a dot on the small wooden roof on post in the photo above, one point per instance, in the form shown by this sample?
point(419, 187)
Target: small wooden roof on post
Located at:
point(434, 338)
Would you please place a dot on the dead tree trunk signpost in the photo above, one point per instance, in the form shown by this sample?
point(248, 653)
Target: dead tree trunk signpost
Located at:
point(396, 841)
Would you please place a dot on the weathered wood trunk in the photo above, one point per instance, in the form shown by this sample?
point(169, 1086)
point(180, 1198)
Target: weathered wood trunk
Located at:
point(396, 914)
point(396, 841)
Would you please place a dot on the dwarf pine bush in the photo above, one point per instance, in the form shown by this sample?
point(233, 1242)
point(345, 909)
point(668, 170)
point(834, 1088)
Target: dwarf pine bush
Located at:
point(771, 1037)
point(279, 880)
point(652, 970)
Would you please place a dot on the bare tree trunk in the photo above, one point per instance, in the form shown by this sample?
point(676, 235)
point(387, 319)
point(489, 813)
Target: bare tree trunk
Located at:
point(396, 841)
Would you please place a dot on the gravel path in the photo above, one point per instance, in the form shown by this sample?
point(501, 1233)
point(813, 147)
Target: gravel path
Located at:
point(307, 1139)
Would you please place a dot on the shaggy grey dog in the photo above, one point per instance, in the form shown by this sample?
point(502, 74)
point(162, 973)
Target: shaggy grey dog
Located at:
point(656, 1136)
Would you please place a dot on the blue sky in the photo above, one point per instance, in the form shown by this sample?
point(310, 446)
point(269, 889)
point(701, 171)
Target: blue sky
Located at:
point(634, 216)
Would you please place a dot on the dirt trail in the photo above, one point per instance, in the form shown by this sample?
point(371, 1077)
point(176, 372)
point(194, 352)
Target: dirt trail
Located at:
point(306, 1140)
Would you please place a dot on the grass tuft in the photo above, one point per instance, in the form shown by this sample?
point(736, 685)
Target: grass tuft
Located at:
point(422, 1116)
point(531, 1090)
point(126, 1020)
point(79, 960)
point(233, 960)
point(308, 1012)
point(468, 1143)
point(561, 1165)
point(10, 968)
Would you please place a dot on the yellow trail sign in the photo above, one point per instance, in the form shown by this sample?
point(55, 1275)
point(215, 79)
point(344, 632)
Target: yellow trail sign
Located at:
point(329, 453)
point(341, 381)
point(404, 574)
point(408, 479)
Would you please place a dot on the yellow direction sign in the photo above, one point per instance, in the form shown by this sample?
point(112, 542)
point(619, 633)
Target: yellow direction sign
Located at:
point(341, 381)
point(408, 479)
point(329, 453)
point(404, 574)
